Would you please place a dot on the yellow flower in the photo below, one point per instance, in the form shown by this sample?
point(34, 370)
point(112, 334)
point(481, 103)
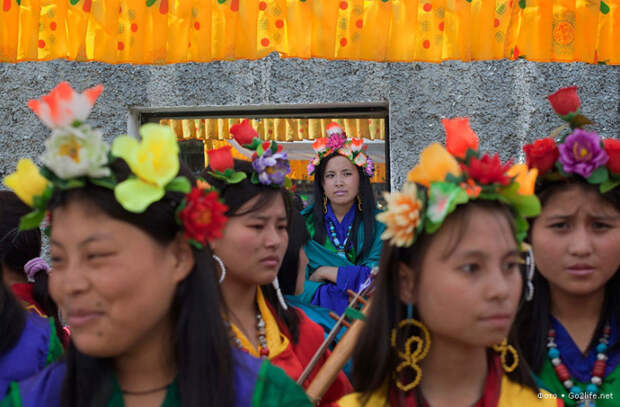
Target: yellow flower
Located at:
point(27, 182)
point(402, 216)
point(526, 179)
point(435, 164)
point(154, 161)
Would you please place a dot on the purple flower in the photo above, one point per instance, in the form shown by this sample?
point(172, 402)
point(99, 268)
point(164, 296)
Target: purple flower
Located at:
point(581, 153)
point(271, 168)
point(370, 167)
point(335, 141)
point(311, 168)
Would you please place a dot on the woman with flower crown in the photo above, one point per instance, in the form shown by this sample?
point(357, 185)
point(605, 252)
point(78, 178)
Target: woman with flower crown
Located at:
point(250, 252)
point(570, 332)
point(438, 331)
point(133, 273)
point(345, 237)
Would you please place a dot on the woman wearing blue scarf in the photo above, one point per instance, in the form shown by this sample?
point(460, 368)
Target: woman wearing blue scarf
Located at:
point(345, 238)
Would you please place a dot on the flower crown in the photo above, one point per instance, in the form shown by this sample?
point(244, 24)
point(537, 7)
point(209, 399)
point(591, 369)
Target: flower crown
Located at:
point(75, 153)
point(354, 150)
point(452, 176)
point(573, 151)
point(269, 162)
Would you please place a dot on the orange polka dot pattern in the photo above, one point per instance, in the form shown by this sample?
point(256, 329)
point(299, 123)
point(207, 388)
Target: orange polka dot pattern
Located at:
point(164, 31)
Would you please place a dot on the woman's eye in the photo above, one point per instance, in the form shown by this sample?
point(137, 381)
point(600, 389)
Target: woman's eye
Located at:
point(94, 256)
point(469, 268)
point(600, 226)
point(257, 226)
point(559, 226)
point(513, 266)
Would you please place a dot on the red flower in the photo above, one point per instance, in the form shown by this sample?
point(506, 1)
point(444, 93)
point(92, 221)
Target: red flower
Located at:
point(565, 100)
point(488, 170)
point(612, 148)
point(203, 215)
point(243, 132)
point(221, 159)
point(542, 155)
point(459, 136)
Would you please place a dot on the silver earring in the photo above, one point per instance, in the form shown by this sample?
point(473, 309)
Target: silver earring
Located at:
point(222, 268)
point(531, 267)
point(276, 285)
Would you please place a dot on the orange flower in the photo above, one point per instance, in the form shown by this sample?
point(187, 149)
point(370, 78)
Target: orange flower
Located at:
point(459, 136)
point(472, 189)
point(402, 216)
point(435, 164)
point(526, 179)
point(319, 145)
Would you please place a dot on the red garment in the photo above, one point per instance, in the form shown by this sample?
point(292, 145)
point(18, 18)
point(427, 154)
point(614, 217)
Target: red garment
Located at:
point(297, 356)
point(23, 291)
point(489, 398)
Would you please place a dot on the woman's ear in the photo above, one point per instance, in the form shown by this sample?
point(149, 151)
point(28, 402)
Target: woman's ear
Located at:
point(184, 258)
point(407, 283)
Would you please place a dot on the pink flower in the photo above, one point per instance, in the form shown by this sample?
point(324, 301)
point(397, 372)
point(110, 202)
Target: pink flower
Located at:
point(63, 105)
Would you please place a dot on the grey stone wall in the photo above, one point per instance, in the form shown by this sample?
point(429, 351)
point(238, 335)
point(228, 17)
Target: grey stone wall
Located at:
point(505, 99)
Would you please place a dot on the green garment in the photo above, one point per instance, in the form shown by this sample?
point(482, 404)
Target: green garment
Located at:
point(326, 255)
point(609, 390)
point(55, 349)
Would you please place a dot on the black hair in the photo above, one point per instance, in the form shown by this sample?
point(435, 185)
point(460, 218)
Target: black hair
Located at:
point(201, 346)
point(17, 247)
point(374, 359)
point(235, 196)
point(12, 318)
point(533, 319)
point(297, 239)
point(367, 217)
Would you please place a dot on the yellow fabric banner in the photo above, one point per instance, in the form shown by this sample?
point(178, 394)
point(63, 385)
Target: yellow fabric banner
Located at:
point(173, 31)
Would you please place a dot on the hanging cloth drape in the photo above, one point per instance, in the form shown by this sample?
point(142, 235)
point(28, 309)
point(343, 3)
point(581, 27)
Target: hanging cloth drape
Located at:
point(173, 31)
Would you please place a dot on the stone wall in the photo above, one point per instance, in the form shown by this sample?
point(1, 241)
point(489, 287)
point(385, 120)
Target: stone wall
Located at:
point(505, 99)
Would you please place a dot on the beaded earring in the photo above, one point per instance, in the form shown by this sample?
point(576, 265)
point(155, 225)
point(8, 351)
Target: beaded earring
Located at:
point(359, 203)
point(531, 267)
point(416, 349)
point(324, 204)
point(504, 348)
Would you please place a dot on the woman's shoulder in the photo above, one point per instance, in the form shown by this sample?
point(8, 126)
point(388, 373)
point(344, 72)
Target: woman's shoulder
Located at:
point(42, 389)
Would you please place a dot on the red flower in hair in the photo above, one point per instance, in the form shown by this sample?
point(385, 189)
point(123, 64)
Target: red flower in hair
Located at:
point(488, 170)
point(203, 215)
point(221, 159)
point(612, 148)
point(243, 132)
point(542, 154)
point(565, 100)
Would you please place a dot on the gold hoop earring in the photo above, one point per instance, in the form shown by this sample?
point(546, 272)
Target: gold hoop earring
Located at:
point(359, 203)
point(504, 348)
point(324, 204)
point(410, 357)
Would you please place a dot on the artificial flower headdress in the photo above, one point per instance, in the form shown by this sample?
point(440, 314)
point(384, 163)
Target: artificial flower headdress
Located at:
point(75, 154)
point(572, 151)
point(336, 141)
point(452, 176)
point(269, 162)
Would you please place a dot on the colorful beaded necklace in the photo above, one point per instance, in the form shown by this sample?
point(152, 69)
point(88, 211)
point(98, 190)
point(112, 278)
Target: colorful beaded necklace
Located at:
point(598, 370)
point(263, 349)
point(333, 236)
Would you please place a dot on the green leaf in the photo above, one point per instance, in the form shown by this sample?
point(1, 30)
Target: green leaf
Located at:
point(274, 147)
point(181, 206)
point(74, 2)
point(598, 176)
point(604, 8)
point(471, 153)
point(105, 182)
point(608, 185)
point(236, 177)
point(288, 183)
point(521, 227)
point(522, 3)
point(179, 184)
point(259, 150)
point(31, 220)
point(149, 3)
point(579, 120)
point(195, 244)
point(254, 145)
point(135, 195)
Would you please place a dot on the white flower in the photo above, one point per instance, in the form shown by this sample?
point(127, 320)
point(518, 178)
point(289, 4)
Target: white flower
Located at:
point(76, 151)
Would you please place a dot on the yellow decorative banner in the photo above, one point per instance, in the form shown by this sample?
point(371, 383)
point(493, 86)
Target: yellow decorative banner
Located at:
point(173, 31)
